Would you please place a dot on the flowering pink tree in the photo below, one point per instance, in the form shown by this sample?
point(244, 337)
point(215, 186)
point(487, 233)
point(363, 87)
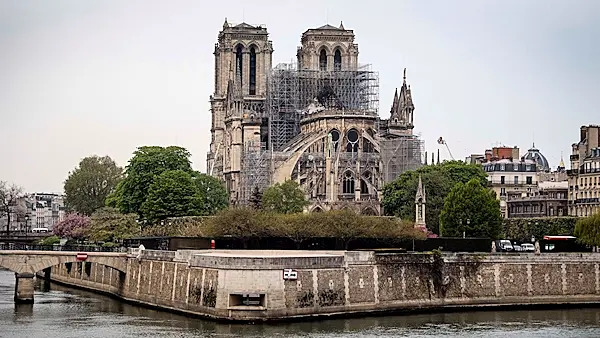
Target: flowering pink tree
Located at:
point(73, 226)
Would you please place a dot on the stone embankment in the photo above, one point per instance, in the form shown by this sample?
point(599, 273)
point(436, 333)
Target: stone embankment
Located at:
point(276, 285)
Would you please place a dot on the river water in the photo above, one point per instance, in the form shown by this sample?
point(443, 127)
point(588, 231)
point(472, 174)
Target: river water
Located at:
point(64, 312)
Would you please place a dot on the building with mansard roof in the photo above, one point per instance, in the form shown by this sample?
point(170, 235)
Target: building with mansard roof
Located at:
point(315, 121)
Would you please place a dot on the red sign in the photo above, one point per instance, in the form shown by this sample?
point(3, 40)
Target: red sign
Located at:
point(81, 256)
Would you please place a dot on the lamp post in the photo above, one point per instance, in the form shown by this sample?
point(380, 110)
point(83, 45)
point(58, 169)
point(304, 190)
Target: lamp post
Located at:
point(468, 223)
point(26, 225)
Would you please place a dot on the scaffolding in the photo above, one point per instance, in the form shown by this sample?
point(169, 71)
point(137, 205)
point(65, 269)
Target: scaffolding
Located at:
point(400, 154)
point(290, 91)
point(256, 170)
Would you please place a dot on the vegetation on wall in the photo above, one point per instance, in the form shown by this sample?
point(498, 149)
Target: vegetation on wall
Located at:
point(523, 229)
point(248, 223)
point(438, 180)
point(108, 225)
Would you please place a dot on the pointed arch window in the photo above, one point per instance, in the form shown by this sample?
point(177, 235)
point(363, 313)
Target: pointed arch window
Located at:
point(238, 62)
point(364, 188)
point(252, 90)
point(348, 183)
point(323, 60)
point(337, 60)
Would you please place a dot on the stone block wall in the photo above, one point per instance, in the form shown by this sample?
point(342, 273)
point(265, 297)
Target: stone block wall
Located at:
point(364, 283)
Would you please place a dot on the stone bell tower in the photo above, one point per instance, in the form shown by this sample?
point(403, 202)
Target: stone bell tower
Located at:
point(243, 57)
point(420, 201)
point(328, 48)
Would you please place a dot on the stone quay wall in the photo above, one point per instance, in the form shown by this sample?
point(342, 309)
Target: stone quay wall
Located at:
point(217, 284)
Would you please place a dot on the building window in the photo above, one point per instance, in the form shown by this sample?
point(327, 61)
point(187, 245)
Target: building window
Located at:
point(348, 183)
point(501, 179)
point(252, 90)
point(516, 179)
point(529, 180)
point(238, 62)
point(335, 139)
point(323, 60)
point(352, 145)
point(364, 188)
point(337, 60)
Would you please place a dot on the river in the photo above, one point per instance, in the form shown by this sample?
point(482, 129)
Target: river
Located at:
point(65, 312)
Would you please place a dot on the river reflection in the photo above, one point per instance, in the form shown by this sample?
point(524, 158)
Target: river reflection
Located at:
point(65, 312)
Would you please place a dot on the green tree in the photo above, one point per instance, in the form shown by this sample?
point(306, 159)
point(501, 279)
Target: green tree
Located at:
point(471, 209)
point(588, 230)
point(284, 198)
point(173, 193)
point(147, 163)
point(88, 185)
point(212, 193)
point(438, 180)
point(110, 226)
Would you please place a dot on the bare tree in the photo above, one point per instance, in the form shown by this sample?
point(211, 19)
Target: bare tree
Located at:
point(9, 196)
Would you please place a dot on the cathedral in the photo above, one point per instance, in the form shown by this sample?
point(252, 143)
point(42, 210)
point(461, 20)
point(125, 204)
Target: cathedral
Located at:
point(315, 121)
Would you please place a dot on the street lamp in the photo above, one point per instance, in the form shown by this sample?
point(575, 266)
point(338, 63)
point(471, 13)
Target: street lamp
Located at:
point(468, 223)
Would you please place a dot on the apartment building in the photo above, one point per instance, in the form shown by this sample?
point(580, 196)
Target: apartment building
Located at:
point(584, 175)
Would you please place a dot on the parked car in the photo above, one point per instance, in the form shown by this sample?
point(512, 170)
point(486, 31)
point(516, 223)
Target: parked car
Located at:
point(517, 248)
point(528, 247)
point(504, 245)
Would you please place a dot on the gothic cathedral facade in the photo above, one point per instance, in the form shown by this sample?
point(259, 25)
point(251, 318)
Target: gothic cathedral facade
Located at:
point(315, 121)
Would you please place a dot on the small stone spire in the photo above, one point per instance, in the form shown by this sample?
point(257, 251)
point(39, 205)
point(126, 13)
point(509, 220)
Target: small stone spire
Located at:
point(342, 25)
point(420, 195)
point(394, 103)
point(404, 77)
point(225, 24)
point(420, 202)
point(425, 158)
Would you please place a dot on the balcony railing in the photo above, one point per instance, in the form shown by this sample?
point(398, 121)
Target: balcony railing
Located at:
point(538, 198)
point(587, 200)
point(511, 183)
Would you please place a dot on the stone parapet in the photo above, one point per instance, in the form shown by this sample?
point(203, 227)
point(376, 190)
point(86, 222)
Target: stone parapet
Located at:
point(158, 255)
point(267, 260)
point(277, 285)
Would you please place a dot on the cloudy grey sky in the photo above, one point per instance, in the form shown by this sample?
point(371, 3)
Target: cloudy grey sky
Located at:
point(79, 78)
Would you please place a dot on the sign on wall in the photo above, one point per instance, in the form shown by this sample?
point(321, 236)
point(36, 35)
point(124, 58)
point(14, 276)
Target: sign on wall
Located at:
point(290, 274)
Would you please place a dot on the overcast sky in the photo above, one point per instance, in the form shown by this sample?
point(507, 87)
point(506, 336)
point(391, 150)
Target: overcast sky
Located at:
point(79, 78)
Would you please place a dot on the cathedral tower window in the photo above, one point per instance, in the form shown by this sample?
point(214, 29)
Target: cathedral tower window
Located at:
point(238, 62)
point(252, 81)
point(348, 183)
point(337, 60)
point(323, 60)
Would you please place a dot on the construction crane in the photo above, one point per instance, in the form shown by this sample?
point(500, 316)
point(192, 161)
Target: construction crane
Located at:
point(442, 141)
